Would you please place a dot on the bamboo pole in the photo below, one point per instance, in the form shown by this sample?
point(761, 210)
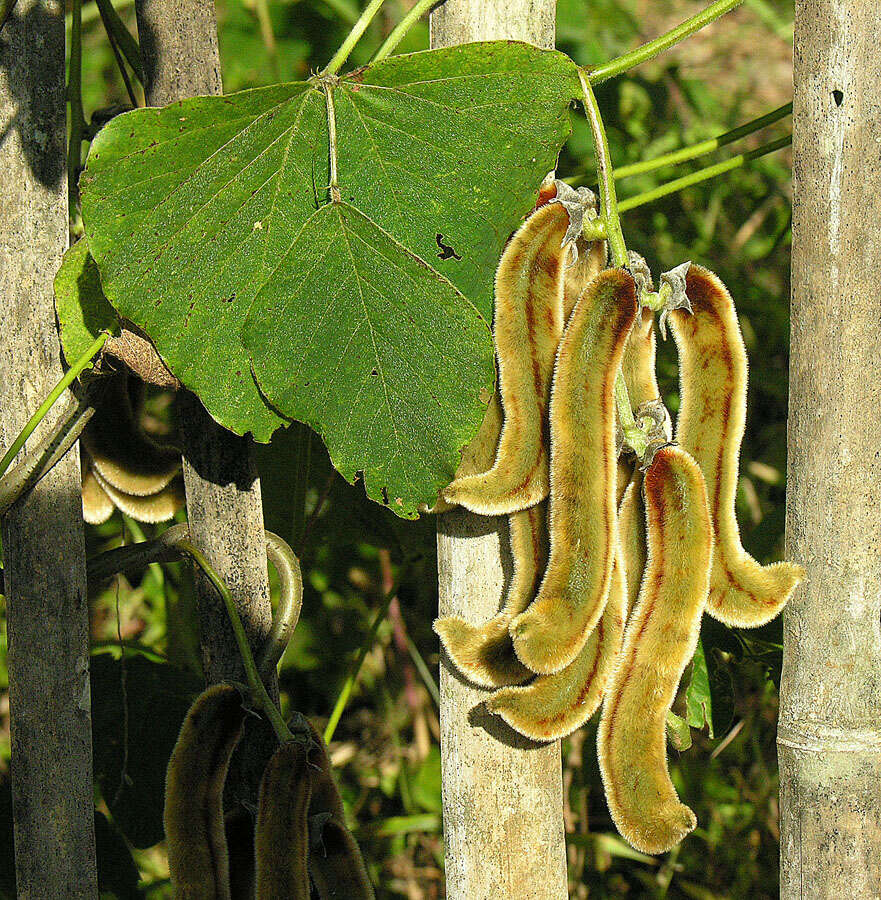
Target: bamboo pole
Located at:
point(502, 794)
point(179, 47)
point(44, 555)
point(829, 736)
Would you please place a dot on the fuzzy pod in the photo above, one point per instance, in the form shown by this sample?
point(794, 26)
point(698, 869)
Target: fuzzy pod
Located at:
point(485, 654)
point(281, 837)
point(150, 508)
point(553, 706)
point(194, 824)
point(121, 453)
point(659, 641)
point(582, 527)
point(590, 261)
point(97, 505)
point(631, 535)
point(526, 331)
point(710, 426)
point(638, 364)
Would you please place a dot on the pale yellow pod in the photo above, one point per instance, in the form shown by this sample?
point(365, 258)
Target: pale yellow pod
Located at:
point(553, 706)
point(711, 422)
point(97, 506)
point(659, 641)
point(631, 535)
point(526, 330)
point(552, 631)
point(152, 508)
point(194, 827)
point(121, 453)
point(591, 260)
point(485, 654)
point(281, 838)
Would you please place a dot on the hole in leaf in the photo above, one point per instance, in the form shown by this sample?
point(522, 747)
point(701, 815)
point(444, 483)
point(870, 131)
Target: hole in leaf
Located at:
point(838, 97)
point(446, 251)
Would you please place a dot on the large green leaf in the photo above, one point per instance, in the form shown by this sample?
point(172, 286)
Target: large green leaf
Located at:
point(368, 317)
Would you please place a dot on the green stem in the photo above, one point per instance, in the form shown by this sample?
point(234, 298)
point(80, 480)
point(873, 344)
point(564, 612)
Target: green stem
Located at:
point(49, 402)
point(334, 185)
point(268, 35)
point(369, 639)
point(115, 27)
point(255, 683)
point(664, 42)
point(702, 174)
point(704, 147)
point(353, 37)
point(75, 98)
point(400, 30)
point(347, 11)
point(605, 177)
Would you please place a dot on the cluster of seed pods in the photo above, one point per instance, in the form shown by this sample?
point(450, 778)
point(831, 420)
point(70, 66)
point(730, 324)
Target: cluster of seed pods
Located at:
point(300, 838)
point(615, 558)
point(123, 467)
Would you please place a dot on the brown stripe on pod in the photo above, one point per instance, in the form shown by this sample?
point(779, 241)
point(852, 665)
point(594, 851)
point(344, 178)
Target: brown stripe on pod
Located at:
point(553, 706)
point(551, 632)
point(659, 641)
point(194, 826)
point(485, 654)
point(710, 425)
point(281, 838)
point(526, 330)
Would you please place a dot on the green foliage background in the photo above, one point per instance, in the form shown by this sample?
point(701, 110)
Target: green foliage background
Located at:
point(385, 748)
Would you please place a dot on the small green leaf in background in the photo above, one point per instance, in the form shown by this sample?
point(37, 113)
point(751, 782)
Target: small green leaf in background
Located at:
point(709, 697)
point(367, 319)
point(698, 698)
point(678, 732)
point(131, 773)
point(425, 782)
point(83, 310)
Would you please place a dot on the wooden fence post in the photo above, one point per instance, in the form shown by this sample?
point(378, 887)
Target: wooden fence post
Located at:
point(502, 794)
point(47, 613)
point(829, 735)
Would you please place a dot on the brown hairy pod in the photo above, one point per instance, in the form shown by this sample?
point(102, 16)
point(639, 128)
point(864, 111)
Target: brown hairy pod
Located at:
point(553, 706)
point(551, 632)
point(485, 654)
point(97, 505)
point(151, 508)
point(194, 825)
point(659, 641)
point(710, 426)
point(526, 330)
point(281, 842)
point(631, 535)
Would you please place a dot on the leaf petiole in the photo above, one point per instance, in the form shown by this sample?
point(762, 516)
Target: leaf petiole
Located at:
point(399, 32)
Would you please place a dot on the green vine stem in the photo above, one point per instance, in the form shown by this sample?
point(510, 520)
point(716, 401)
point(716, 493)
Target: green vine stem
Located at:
point(703, 147)
point(351, 679)
point(358, 29)
point(399, 32)
point(173, 543)
point(124, 39)
point(671, 187)
point(664, 42)
point(49, 402)
point(52, 448)
point(75, 99)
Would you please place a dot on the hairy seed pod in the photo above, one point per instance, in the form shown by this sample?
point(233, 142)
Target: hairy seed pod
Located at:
point(553, 706)
point(712, 417)
point(97, 506)
point(281, 841)
point(659, 641)
point(591, 260)
point(194, 827)
point(121, 453)
point(485, 654)
point(638, 364)
point(335, 862)
point(150, 508)
point(631, 535)
point(552, 631)
point(527, 328)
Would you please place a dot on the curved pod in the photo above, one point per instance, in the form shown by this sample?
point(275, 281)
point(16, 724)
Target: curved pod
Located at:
point(659, 641)
point(573, 592)
point(712, 418)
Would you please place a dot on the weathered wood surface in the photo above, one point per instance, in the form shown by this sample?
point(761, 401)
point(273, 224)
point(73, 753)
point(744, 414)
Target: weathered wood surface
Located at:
point(829, 736)
point(44, 555)
point(502, 794)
